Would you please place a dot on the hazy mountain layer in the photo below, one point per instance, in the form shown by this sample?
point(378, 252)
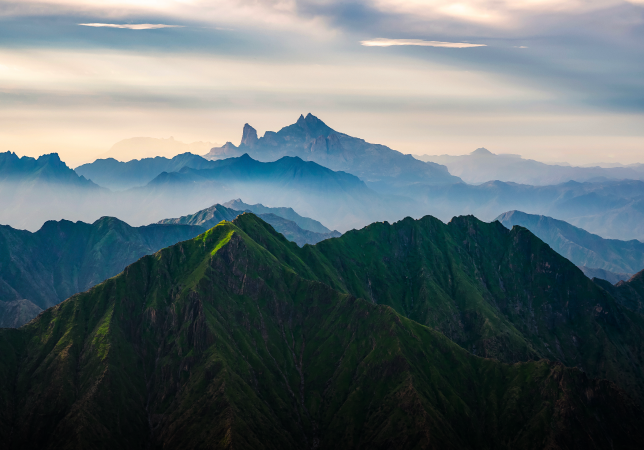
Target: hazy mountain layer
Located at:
point(44, 169)
point(312, 140)
point(147, 147)
point(287, 213)
point(217, 343)
point(607, 275)
point(119, 176)
point(64, 258)
point(580, 246)
point(482, 165)
point(210, 217)
point(612, 209)
point(33, 191)
point(339, 199)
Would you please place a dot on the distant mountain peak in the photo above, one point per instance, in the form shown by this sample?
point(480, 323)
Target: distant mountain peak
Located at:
point(482, 151)
point(249, 136)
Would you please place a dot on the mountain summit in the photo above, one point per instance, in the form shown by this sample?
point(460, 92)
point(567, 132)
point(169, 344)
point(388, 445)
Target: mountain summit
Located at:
point(313, 140)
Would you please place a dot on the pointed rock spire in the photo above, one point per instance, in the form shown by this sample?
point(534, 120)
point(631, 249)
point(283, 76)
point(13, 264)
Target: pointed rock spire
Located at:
point(249, 136)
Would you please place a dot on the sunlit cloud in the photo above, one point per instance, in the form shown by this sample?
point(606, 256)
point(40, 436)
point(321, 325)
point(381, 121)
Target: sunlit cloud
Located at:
point(134, 26)
point(383, 42)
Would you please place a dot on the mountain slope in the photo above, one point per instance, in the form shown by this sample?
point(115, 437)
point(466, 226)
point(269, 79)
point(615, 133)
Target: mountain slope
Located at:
point(312, 140)
point(496, 292)
point(580, 246)
point(119, 176)
point(216, 343)
point(629, 293)
point(482, 165)
point(63, 258)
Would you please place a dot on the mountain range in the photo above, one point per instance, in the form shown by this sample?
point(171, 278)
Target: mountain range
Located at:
point(147, 147)
point(118, 176)
point(210, 217)
point(611, 209)
point(39, 270)
point(341, 200)
point(239, 338)
point(312, 140)
point(482, 165)
point(287, 213)
point(34, 190)
point(621, 258)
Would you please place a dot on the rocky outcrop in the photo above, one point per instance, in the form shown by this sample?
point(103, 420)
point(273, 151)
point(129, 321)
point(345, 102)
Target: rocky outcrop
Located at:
point(249, 136)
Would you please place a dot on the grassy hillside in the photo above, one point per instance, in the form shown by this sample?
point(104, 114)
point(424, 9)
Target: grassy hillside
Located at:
point(218, 342)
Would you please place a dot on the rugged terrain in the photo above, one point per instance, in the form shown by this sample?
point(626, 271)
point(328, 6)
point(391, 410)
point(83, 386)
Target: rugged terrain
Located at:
point(312, 140)
point(41, 269)
point(219, 342)
point(210, 217)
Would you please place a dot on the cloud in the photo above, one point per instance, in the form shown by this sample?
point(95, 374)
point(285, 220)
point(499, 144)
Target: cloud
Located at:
point(383, 42)
point(134, 26)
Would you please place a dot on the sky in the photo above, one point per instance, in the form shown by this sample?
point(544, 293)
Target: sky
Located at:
point(549, 80)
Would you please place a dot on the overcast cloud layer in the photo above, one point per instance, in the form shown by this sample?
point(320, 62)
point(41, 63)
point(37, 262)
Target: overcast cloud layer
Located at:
point(547, 79)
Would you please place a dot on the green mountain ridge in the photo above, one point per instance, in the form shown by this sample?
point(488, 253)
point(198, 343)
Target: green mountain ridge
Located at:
point(499, 293)
point(219, 342)
point(64, 258)
point(41, 269)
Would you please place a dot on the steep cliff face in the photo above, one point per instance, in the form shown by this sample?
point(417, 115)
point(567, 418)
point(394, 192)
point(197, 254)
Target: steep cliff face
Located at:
point(217, 342)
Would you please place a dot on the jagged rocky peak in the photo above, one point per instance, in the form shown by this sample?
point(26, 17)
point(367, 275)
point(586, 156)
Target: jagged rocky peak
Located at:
point(313, 126)
point(249, 136)
point(482, 151)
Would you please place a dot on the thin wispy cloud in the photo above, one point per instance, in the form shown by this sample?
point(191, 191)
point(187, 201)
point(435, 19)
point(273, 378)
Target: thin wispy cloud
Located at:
point(383, 42)
point(133, 26)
